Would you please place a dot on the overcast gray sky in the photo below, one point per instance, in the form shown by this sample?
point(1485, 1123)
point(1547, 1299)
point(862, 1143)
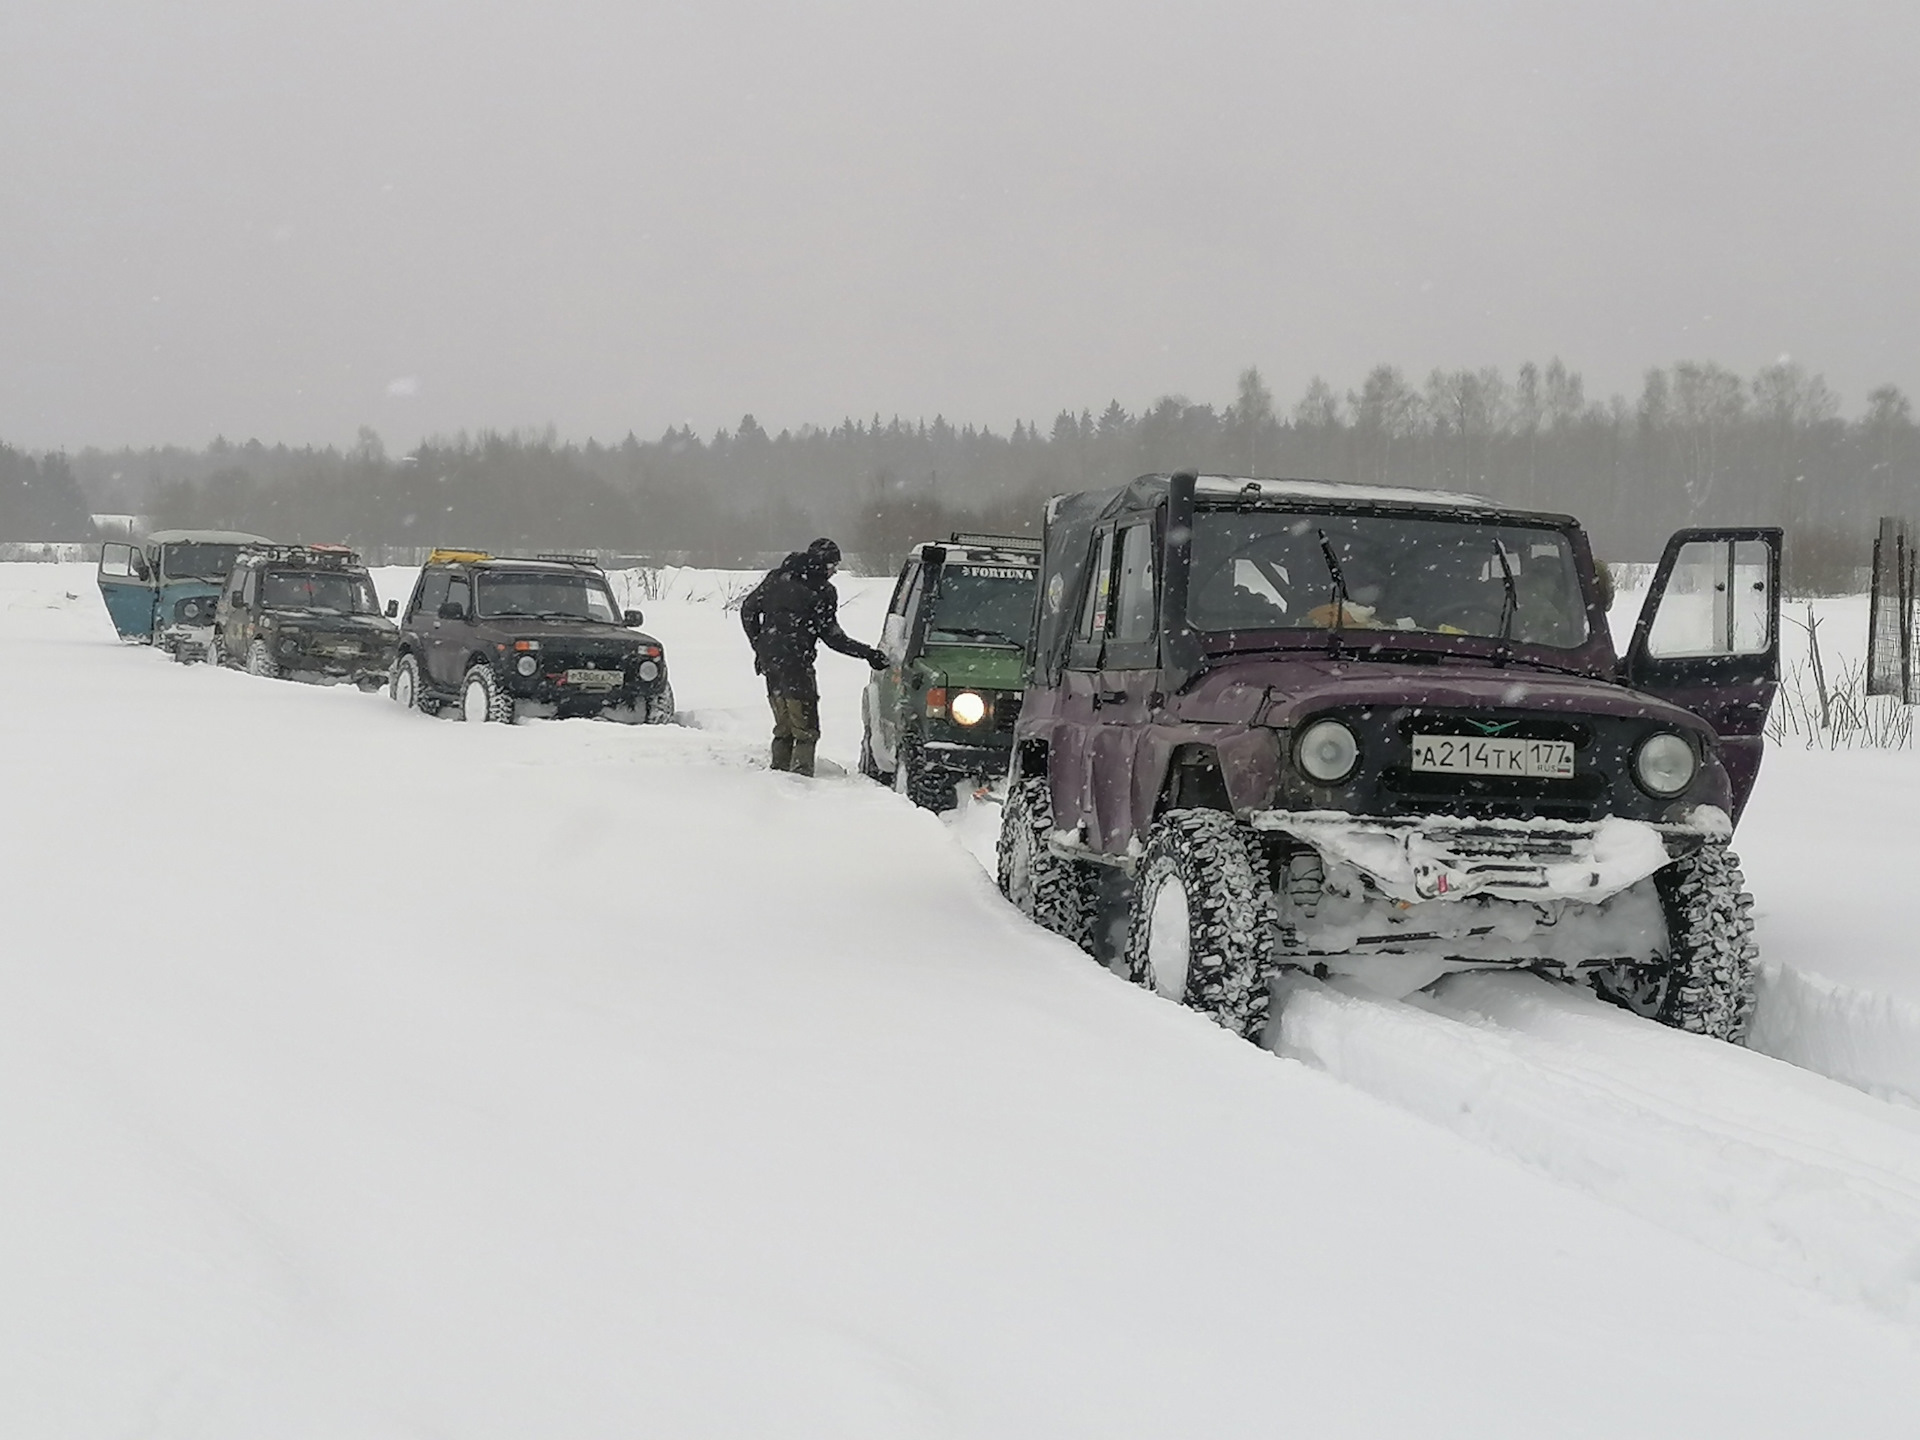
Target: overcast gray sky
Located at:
point(288, 218)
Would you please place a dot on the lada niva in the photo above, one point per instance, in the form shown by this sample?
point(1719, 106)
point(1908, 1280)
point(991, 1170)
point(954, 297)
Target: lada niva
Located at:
point(956, 633)
point(504, 638)
point(1378, 735)
point(306, 612)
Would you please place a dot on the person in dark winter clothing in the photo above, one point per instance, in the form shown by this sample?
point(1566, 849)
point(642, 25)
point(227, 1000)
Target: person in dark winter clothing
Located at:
point(785, 616)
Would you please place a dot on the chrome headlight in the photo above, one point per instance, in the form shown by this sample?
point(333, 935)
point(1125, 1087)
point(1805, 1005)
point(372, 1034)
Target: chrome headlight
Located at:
point(1665, 764)
point(1327, 751)
point(527, 664)
point(648, 670)
point(967, 708)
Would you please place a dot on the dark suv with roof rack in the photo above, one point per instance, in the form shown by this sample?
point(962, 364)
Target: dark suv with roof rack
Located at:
point(305, 612)
point(956, 633)
point(501, 638)
point(1285, 728)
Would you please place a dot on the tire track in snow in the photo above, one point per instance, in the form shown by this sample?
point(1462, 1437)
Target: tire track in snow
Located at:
point(1765, 1163)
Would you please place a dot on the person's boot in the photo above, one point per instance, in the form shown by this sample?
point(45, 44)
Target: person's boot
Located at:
point(802, 757)
point(783, 753)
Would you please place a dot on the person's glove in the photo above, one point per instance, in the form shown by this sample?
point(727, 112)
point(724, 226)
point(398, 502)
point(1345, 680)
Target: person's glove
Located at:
point(878, 661)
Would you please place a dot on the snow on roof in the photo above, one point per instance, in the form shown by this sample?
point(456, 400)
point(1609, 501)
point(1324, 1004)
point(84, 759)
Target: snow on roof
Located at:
point(205, 537)
point(1337, 491)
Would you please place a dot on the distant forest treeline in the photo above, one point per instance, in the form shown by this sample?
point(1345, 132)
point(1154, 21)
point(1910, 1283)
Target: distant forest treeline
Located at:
point(1701, 444)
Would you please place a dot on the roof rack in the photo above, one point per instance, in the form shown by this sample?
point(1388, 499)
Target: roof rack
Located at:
point(996, 542)
point(455, 557)
point(592, 560)
point(318, 556)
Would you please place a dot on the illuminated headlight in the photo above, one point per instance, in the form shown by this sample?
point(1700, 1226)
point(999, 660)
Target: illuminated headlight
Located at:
point(968, 708)
point(648, 670)
point(1327, 751)
point(527, 664)
point(1664, 764)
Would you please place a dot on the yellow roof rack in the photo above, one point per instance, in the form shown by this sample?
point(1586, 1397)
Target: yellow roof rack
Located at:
point(452, 557)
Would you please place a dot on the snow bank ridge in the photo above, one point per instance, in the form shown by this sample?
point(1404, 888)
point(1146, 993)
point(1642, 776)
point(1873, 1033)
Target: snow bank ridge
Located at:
point(1867, 1040)
point(1768, 1166)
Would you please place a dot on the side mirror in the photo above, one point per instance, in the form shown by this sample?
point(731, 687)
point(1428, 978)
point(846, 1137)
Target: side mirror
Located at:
point(393, 609)
point(631, 617)
point(451, 610)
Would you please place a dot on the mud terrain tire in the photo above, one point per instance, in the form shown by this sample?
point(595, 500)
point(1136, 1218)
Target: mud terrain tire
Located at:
point(1708, 987)
point(481, 698)
point(407, 690)
point(1202, 927)
point(260, 661)
point(927, 786)
point(660, 709)
point(1054, 892)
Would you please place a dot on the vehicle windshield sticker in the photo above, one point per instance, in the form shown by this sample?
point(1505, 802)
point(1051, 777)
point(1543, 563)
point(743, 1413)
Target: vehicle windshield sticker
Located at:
point(997, 572)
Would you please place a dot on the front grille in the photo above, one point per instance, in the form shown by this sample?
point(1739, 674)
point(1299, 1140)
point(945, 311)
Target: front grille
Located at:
point(1006, 714)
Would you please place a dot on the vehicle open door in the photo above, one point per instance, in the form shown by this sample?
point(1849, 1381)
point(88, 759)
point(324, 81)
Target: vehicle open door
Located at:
point(128, 586)
point(1708, 638)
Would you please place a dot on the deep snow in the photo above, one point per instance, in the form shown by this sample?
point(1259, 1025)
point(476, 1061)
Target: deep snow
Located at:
point(365, 1075)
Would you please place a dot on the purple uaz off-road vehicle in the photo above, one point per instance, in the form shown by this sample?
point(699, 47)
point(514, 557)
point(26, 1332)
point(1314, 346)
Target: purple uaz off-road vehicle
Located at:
point(1281, 726)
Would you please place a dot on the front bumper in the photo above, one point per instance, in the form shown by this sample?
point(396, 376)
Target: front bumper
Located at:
point(965, 758)
point(335, 661)
point(558, 697)
point(1446, 858)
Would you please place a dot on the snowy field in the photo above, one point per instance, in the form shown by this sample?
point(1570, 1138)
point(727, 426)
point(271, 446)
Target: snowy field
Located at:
point(370, 1077)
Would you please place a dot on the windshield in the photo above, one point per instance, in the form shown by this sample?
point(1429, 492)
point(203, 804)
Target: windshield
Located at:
point(197, 562)
point(1266, 570)
point(330, 590)
point(991, 603)
point(572, 596)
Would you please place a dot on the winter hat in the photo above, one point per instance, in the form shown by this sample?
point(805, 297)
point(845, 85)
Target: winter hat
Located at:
point(825, 551)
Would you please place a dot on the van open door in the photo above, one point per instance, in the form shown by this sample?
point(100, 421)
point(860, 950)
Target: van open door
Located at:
point(1708, 638)
point(128, 585)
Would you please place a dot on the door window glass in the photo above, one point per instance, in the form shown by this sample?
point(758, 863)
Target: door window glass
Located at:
point(457, 593)
point(432, 594)
point(116, 561)
point(251, 589)
point(893, 630)
point(1099, 593)
point(904, 587)
point(1134, 610)
point(236, 587)
point(1716, 602)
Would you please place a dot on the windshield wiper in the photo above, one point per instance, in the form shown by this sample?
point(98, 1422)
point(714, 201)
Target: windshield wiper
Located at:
point(1508, 606)
point(1339, 598)
point(975, 631)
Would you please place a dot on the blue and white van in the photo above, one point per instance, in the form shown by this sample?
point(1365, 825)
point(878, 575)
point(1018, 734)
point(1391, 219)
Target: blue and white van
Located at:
point(162, 590)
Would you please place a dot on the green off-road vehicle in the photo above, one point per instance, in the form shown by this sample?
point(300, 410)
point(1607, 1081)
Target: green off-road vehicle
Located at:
point(956, 632)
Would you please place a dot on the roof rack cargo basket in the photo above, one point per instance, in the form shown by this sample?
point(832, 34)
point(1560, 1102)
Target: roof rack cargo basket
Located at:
point(996, 542)
point(319, 555)
point(438, 556)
